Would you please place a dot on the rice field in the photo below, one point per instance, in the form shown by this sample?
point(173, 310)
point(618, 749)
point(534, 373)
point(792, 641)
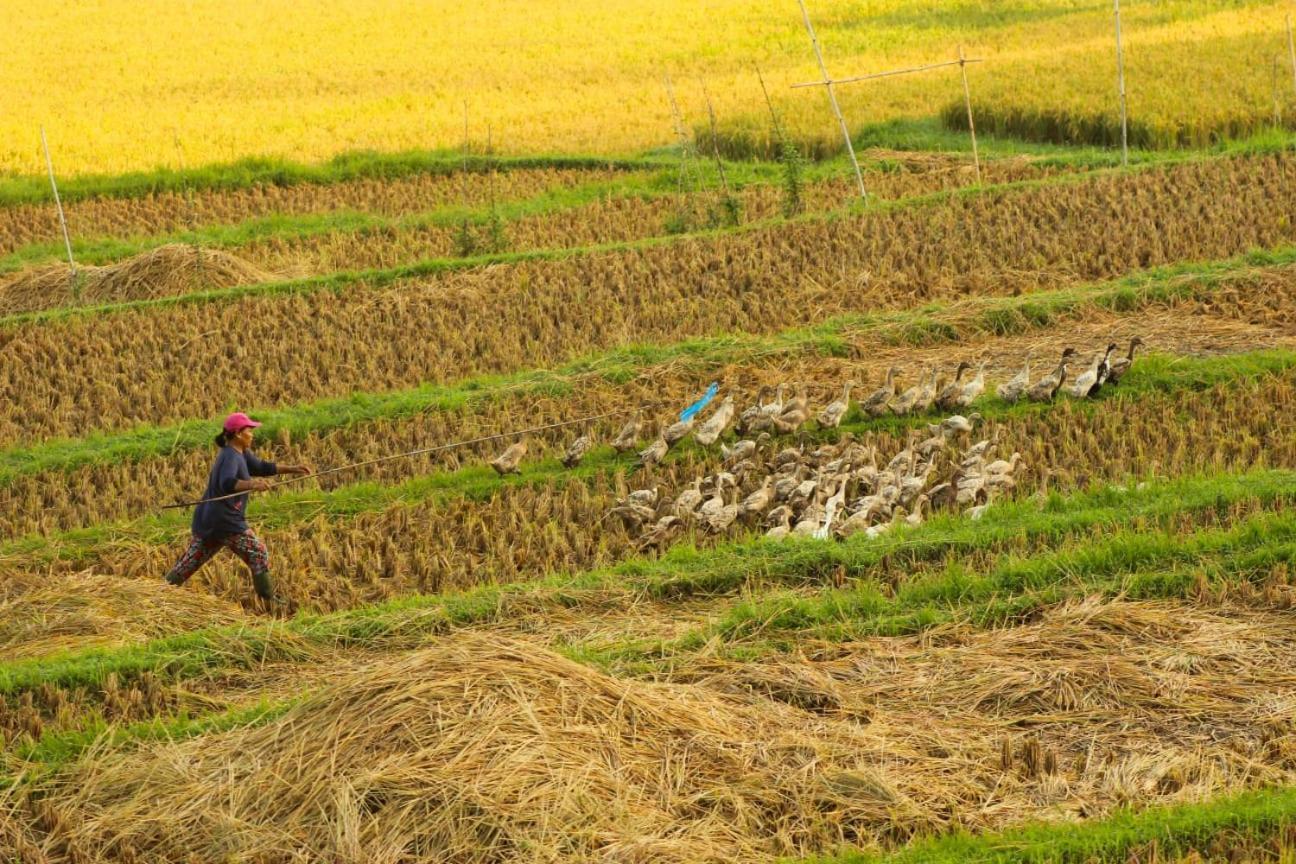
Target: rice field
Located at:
point(982, 552)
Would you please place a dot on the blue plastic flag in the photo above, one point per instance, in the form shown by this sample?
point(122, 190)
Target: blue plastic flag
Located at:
point(701, 403)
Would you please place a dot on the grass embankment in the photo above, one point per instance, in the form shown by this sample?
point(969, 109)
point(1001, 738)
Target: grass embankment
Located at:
point(1254, 821)
point(1155, 374)
point(929, 325)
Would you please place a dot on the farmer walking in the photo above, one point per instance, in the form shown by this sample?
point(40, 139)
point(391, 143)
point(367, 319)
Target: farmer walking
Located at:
point(223, 524)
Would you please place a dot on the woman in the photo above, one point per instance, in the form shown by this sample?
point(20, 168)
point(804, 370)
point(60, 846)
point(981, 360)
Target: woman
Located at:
point(223, 524)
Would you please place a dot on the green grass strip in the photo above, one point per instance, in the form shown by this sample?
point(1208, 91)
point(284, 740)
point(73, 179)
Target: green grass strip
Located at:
point(102, 250)
point(1155, 374)
point(682, 571)
point(932, 324)
point(1253, 816)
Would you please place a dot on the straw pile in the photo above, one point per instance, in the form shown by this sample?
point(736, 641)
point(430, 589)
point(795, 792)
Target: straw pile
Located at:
point(42, 614)
point(161, 272)
point(483, 750)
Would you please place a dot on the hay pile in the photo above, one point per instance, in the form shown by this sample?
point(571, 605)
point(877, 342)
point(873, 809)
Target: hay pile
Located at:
point(485, 750)
point(41, 614)
point(161, 272)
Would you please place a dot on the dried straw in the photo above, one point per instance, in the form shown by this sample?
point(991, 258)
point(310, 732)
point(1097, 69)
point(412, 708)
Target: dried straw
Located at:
point(484, 749)
point(161, 272)
point(42, 614)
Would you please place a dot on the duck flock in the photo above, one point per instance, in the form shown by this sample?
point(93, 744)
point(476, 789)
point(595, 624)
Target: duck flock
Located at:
point(841, 489)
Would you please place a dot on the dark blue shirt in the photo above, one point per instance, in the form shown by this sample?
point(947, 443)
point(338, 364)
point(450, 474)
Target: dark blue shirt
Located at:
point(217, 518)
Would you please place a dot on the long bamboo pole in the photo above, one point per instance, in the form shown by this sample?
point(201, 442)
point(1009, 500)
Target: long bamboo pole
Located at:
point(967, 100)
point(1291, 50)
point(715, 142)
point(67, 240)
point(889, 73)
point(832, 98)
point(1120, 73)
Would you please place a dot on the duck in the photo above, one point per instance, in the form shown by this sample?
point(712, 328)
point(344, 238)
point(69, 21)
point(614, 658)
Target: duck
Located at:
point(782, 526)
point(904, 404)
point(752, 412)
point(958, 424)
point(926, 395)
point(653, 453)
point(1013, 389)
point(645, 497)
point(715, 425)
point(661, 534)
point(795, 413)
point(972, 390)
point(917, 516)
point(774, 408)
point(832, 414)
point(1003, 467)
point(743, 449)
point(1088, 382)
point(1047, 387)
point(508, 461)
point(688, 500)
point(628, 437)
point(676, 432)
point(879, 401)
point(760, 500)
point(719, 522)
point(944, 400)
point(576, 452)
point(1121, 365)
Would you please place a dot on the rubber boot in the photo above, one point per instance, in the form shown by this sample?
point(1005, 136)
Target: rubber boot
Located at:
point(264, 586)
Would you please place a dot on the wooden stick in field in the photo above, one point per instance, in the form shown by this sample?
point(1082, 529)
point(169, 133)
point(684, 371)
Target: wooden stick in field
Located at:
point(889, 73)
point(67, 240)
point(832, 99)
point(715, 142)
point(967, 100)
point(1120, 75)
point(1291, 50)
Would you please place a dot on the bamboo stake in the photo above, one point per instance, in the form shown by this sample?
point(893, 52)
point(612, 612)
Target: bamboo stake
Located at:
point(778, 130)
point(889, 73)
point(1277, 104)
point(1291, 50)
point(715, 143)
point(686, 148)
point(967, 100)
point(67, 240)
point(1120, 72)
point(832, 98)
point(191, 208)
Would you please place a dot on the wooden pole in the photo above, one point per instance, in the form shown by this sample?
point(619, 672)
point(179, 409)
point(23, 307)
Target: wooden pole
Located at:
point(1291, 50)
point(191, 208)
point(967, 100)
point(832, 99)
point(67, 240)
point(1277, 102)
point(889, 73)
point(1120, 73)
point(715, 143)
point(778, 130)
point(686, 149)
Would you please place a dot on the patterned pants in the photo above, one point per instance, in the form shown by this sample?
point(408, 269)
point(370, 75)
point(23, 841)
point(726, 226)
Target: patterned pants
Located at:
point(245, 545)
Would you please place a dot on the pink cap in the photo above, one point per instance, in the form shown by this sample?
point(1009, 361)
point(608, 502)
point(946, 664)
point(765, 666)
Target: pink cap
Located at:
point(238, 421)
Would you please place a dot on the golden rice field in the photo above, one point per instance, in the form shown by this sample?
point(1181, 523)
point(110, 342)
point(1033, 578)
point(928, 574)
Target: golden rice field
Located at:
point(201, 84)
point(1046, 624)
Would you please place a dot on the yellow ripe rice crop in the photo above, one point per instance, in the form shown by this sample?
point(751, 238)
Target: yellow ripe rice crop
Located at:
point(311, 79)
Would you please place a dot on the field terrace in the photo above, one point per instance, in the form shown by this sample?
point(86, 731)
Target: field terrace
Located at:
point(810, 697)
